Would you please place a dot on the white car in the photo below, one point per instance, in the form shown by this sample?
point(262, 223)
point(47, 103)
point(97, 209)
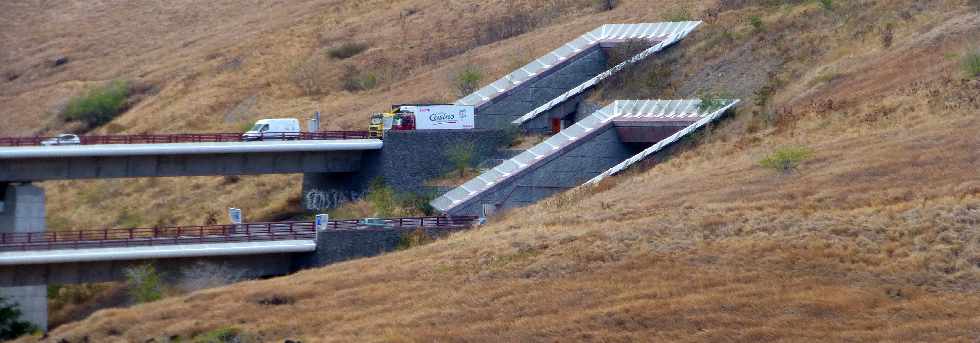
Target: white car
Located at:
point(62, 139)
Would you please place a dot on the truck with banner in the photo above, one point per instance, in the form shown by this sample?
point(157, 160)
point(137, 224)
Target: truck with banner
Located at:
point(422, 117)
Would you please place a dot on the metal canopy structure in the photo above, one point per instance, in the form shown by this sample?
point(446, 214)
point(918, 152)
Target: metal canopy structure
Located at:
point(623, 111)
point(654, 111)
point(665, 34)
point(580, 130)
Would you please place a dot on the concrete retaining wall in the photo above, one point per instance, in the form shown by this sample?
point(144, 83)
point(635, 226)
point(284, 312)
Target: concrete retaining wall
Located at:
point(407, 161)
point(501, 111)
point(343, 245)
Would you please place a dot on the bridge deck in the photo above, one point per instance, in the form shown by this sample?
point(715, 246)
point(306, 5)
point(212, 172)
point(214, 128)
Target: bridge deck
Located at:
point(189, 241)
point(181, 138)
point(161, 149)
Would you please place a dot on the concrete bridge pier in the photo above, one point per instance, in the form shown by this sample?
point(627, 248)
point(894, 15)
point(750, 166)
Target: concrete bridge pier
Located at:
point(23, 211)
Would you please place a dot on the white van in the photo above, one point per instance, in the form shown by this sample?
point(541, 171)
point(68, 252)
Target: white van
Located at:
point(273, 130)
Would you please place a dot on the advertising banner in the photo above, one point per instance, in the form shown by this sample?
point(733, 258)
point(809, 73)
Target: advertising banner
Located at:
point(442, 117)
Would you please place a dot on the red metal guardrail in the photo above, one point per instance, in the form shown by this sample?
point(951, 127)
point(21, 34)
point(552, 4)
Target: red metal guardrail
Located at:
point(251, 232)
point(185, 138)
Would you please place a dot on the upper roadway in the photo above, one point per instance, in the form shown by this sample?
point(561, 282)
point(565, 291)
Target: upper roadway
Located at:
point(65, 162)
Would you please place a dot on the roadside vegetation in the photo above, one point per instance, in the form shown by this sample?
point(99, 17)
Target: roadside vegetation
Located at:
point(971, 63)
point(467, 80)
point(11, 324)
point(143, 282)
point(347, 50)
point(786, 159)
point(99, 106)
point(460, 156)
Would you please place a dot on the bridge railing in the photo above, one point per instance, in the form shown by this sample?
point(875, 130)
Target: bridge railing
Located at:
point(250, 232)
point(186, 138)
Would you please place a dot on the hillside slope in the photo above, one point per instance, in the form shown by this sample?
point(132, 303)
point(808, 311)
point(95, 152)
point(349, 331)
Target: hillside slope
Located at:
point(875, 238)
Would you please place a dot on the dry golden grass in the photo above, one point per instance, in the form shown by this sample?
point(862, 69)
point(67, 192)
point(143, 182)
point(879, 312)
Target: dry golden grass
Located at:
point(876, 238)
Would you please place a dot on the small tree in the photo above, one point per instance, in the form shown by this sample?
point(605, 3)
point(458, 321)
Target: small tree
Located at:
point(786, 159)
point(144, 283)
point(461, 156)
point(468, 80)
point(11, 326)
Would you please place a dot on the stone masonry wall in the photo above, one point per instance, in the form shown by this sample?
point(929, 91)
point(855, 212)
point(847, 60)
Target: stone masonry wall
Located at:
point(525, 98)
point(407, 161)
point(570, 168)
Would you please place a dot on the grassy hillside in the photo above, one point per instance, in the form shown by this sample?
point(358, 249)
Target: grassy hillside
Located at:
point(875, 237)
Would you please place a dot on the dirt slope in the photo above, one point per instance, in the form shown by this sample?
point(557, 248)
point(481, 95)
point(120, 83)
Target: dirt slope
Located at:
point(875, 238)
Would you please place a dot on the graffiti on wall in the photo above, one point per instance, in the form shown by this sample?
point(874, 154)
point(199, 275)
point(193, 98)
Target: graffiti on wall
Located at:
point(316, 199)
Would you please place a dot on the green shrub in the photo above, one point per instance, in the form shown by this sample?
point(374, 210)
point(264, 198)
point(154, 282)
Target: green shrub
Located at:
point(786, 159)
point(467, 80)
point(347, 50)
point(461, 156)
point(413, 203)
point(98, 106)
point(757, 24)
point(355, 80)
point(144, 283)
point(11, 326)
point(827, 4)
point(971, 63)
point(414, 238)
point(712, 101)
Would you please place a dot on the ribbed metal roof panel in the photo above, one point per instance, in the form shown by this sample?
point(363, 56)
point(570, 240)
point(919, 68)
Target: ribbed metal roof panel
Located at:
point(665, 33)
point(668, 31)
point(524, 160)
point(705, 118)
point(620, 110)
